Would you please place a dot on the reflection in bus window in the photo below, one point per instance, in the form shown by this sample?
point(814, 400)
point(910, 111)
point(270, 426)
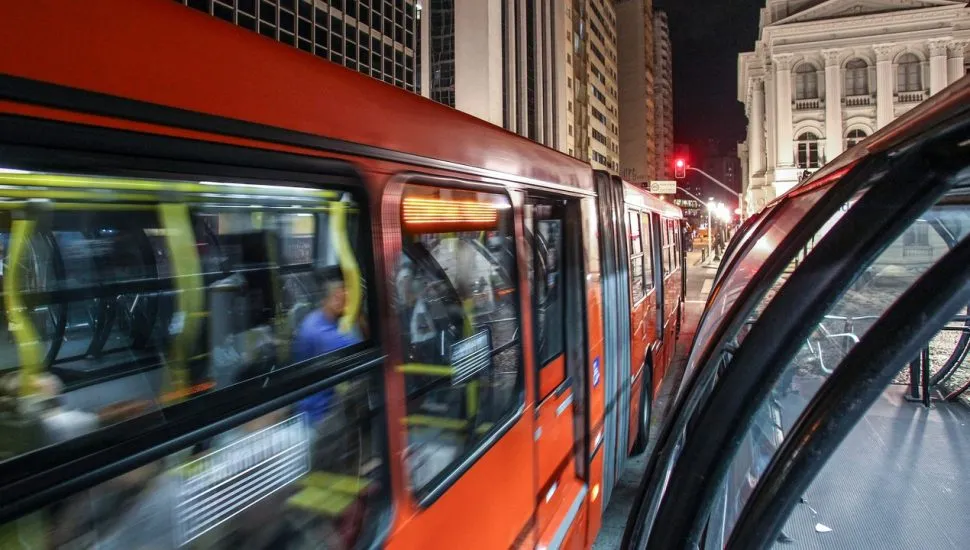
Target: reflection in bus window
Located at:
point(458, 318)
point(648, 232)
point(637, 287)
point(279, 481)
point(547, 280)
point(883, 281)
point(171, 290)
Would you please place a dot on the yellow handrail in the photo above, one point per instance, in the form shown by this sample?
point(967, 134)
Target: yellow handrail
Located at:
point(348, 265)
point(30, 351)
point(190, 298)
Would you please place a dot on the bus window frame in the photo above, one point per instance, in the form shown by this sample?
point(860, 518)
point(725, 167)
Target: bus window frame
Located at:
point(38, 478)
point(636, 214)
point(543, 363)
point(392, 237)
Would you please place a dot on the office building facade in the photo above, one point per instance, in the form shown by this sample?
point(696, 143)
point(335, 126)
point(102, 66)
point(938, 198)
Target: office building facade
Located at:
point(378, 38)
point(636, 83)
point(498, 60)
point(592, 30)
point(663, 95)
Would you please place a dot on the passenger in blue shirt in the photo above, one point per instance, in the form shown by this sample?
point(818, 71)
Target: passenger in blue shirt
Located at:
point(320, 333)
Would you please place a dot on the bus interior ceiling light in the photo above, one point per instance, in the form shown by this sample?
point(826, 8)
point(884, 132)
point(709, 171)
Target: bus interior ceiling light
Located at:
point(448, 213)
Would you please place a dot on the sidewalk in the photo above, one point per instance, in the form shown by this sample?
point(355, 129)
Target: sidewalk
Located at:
point(698, 257)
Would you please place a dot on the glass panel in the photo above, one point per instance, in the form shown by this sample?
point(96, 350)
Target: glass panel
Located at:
point(844, 325)
point(636, 247)
point(648, 251)
point(456, 305)
point(548, 292)
point(287, 479)
point(172, 289)
point(770, 234)
point(636, 258)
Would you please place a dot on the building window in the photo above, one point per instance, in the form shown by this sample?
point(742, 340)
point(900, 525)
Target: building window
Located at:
point(442, 51)
point(908, 77)
point(806, 82)
point(856, 77)
point(854, 137)
point(806, 149)
point(600, 137)
point(531, 80)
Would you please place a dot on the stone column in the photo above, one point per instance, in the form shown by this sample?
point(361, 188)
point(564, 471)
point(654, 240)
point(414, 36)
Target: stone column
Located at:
point(771, 120)
point(937, 65)
point(955, 69)
point(783, 98)
point(756, 129)
point(833, 105)
point(884, 84)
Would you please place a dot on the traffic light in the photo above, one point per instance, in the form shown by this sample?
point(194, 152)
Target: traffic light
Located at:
point(680, 169)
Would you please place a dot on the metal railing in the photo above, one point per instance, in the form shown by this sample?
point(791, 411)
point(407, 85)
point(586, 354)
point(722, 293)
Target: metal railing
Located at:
point(922, 381)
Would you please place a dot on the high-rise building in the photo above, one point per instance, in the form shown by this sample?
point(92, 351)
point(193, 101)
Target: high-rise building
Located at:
point(602, 126)
point(377, 38)
point(636, 56)
point(663, 79)
point(498, 60)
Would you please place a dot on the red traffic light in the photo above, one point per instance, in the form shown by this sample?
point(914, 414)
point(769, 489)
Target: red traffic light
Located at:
point(680, 169)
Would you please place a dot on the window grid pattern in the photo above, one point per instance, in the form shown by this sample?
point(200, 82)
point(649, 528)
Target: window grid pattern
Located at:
point(376, 38)
point(443, 52)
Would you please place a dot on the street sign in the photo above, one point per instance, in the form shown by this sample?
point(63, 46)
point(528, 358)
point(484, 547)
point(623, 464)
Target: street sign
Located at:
point(663, 187)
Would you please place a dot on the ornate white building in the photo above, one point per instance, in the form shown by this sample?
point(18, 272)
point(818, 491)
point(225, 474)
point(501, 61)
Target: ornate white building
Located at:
point(824, 74)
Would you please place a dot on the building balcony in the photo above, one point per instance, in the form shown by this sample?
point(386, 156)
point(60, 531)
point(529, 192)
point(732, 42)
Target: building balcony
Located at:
point(807, 104)
point(911, 97)
point(857, 100)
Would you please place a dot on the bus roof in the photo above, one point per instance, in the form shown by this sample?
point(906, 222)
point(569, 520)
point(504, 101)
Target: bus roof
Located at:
point(159, 52)
point(640, 197)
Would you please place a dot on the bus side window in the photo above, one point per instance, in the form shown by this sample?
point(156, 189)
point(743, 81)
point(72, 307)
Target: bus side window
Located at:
point(647, 251)
point(457, 314)
point(637, 275)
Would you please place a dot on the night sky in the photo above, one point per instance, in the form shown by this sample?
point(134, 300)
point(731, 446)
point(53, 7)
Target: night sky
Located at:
point(706, 37)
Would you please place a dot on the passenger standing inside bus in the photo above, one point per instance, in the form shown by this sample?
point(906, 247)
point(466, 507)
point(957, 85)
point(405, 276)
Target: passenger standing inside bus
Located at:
point(320, 334)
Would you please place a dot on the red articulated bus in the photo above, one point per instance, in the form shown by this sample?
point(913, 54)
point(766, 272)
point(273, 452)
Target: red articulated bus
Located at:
point(254, 299)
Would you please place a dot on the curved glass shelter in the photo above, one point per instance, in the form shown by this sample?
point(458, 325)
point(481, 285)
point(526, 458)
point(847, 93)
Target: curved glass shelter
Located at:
point(839, 314)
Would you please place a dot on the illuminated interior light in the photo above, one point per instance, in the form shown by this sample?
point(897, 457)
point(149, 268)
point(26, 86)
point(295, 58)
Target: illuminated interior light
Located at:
point(596, 492)
point(422, 212)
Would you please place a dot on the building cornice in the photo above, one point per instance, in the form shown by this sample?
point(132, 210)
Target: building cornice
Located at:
point(942, 14)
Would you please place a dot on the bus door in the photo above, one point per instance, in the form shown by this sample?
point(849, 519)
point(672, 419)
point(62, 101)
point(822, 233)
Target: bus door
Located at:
point(456, 311)
point(553, 233)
